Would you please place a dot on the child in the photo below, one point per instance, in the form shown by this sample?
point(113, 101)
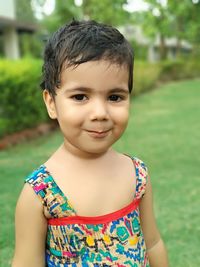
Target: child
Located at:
point(88, 205)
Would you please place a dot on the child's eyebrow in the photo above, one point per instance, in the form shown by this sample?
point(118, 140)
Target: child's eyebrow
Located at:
point(119, 90)
point(88, 90)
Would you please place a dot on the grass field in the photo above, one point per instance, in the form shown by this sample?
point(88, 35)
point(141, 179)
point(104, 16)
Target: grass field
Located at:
point(164, 131)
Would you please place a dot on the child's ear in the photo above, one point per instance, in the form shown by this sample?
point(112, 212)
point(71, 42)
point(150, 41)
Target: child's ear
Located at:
point(50, 104)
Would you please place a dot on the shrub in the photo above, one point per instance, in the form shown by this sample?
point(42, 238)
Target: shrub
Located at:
point(179, 69)
point(21, 105)
point(145, 76)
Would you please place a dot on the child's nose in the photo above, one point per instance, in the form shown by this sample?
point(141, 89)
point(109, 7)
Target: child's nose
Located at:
point(99, 110)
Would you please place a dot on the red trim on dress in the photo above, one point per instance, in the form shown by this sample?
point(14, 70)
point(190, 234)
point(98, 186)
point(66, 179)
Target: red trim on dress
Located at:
point(96, 219)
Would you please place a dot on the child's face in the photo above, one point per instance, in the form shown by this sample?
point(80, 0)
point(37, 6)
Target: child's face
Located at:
point(91, 106)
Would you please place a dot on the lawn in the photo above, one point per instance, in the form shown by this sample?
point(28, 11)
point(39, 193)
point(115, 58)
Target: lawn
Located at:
point(164, 131)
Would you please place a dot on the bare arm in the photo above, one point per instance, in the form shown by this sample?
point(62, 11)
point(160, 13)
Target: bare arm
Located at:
point(155, 247)
point(30, 231)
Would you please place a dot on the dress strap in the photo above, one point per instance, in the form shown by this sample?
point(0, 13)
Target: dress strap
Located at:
point(49, 193)
point(141, 177)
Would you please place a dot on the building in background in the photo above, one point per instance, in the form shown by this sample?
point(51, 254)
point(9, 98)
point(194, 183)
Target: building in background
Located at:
point(10, 28)
point(135, 33)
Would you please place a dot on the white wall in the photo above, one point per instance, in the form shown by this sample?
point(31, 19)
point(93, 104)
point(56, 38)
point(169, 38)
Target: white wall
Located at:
point(10, 37)
point(7, 9)
point(11, 44)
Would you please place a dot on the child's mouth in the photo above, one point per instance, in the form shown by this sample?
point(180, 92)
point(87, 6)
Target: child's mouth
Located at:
point(98, 134)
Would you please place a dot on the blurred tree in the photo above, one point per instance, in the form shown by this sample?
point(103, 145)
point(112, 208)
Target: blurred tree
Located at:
point(156, 20)
point(193, 30)
point(107, 11)
point(30, 43)
point(185, 20)
point(64, 11)
point(172, 18)
point(24, 11)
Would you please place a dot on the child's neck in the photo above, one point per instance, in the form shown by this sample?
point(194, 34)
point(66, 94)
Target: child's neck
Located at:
point(73, 153)
point(63, 157)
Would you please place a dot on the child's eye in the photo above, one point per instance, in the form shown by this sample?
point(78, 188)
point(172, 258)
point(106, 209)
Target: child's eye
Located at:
point(115, 98)
point(79, 97)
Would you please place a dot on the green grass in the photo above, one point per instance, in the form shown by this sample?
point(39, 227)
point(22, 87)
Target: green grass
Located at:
point(164, 131)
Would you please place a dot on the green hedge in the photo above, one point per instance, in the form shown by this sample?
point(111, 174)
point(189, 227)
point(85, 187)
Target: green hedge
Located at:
point(21, 105)
point(145, 76)
point(179, 69)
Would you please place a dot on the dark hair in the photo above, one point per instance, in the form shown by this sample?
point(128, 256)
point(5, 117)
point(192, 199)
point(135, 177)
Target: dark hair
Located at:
point(82, 41)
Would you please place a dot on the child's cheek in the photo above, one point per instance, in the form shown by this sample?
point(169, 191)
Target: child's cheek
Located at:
point(122, 121)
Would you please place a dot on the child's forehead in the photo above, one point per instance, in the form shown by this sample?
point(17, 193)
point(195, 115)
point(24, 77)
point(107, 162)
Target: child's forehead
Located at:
point(100, 66)
point(95, 74)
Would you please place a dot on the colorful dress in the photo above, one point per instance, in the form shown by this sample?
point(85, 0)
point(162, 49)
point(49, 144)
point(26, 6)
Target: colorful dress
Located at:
point(114, 239)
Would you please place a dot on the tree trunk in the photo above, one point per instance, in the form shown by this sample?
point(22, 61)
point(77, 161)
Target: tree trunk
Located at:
point(163, 48)
point(178, 48)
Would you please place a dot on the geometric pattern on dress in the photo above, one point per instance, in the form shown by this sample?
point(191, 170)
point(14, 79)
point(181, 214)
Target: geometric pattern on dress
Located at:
point(115, 239)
